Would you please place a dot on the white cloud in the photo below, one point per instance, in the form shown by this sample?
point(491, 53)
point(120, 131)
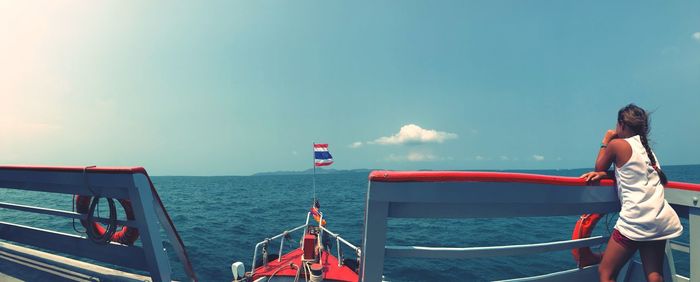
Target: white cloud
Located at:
point(355, 145)
point(696, 36)
point(479, 158)
point(538, 158)
point(504, 158)
point(394, 158)
point(295, 153)
point(421, 157)
point(414, 157)
point(414, 134)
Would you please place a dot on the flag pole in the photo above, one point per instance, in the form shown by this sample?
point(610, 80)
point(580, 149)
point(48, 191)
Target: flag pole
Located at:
point(313, 164)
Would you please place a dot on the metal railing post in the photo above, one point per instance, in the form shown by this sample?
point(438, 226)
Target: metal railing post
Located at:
point(279, 256)
point(337, 246)
point(374, 240)
point(154, 251)
point(694, 226)
point(255, 255)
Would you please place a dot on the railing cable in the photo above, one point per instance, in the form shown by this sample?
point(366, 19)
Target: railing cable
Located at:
point(91, 228)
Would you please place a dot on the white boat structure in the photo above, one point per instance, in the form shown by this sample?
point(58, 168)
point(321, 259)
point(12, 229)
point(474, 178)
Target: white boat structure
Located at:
point(33, 263)
point(391, 194)
point(448, 194)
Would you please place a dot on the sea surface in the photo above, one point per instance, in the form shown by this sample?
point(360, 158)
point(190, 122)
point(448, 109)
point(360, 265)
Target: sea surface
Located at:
point(222, 218)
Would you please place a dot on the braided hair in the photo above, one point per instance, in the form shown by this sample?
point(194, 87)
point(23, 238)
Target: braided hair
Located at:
point(637, 120)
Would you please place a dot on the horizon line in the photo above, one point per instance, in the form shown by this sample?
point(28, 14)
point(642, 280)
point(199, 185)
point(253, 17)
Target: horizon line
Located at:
point(372, 169)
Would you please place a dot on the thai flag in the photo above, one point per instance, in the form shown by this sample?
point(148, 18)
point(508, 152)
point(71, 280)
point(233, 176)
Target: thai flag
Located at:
point(321, 155)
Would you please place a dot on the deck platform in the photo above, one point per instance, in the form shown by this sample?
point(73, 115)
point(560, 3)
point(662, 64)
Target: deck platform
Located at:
point(19, 263)
point(281, 268)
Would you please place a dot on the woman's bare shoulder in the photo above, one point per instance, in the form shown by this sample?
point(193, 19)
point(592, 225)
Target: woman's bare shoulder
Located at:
point(622, 151)
point(618, 143)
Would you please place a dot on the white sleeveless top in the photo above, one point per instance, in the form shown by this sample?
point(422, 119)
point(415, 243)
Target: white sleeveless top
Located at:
point(645, 213)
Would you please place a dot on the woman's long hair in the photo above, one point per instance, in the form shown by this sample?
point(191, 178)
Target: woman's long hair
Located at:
point(637, 120)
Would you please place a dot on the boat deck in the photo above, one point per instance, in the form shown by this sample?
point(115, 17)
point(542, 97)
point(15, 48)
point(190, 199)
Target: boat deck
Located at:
point(282, 268)
point(18, 263)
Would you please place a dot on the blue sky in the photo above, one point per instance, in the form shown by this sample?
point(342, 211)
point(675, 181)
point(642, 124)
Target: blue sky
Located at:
point(233, 88)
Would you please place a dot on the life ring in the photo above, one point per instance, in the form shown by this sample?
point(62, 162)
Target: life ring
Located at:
point(584, 226)
point(318, 218)
point(127, 235)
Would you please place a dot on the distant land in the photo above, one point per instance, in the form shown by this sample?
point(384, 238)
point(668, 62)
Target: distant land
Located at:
point(318, 171)
point(367, 170)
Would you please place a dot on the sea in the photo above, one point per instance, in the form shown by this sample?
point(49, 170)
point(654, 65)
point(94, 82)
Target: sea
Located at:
point(221, 218)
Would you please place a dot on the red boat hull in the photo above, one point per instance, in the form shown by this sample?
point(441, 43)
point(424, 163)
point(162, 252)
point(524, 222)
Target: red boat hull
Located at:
point(287, 267)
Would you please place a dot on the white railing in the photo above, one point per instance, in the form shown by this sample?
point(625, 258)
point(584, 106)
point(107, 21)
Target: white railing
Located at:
point(129, 183)
point(282, 236)
point(339, 240)
point(492, 195)
point(492, 251)
point(267, 242)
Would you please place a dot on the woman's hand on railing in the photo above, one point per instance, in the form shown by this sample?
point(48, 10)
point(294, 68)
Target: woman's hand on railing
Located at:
point(594, 175)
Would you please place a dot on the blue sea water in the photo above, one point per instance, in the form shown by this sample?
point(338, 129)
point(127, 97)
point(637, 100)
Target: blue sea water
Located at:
point(222, 218)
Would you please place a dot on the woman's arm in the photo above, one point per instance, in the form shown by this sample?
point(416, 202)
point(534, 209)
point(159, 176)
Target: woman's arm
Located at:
point(606, 156)
point(608, 151)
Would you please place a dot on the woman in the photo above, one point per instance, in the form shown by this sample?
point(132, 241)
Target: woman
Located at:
point(646, 219)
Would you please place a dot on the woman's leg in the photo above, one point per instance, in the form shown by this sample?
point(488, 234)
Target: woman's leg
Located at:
point(615, 256)
point(652, 254)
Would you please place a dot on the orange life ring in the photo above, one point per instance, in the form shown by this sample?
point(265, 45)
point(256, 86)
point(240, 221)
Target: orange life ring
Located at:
point(318, 218)
point(127, 235)
point(583, 229)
